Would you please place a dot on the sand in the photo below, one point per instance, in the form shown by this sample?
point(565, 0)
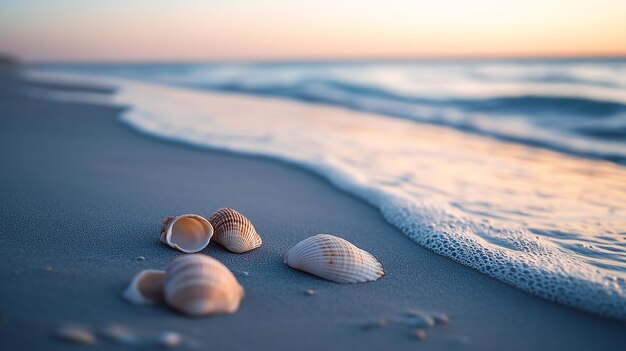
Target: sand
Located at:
point(82, 198)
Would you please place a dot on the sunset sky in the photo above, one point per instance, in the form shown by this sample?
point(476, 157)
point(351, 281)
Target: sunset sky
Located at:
point(156, 30)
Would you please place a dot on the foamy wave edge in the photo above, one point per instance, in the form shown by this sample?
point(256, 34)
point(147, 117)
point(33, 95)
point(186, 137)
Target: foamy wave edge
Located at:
point(531, 263)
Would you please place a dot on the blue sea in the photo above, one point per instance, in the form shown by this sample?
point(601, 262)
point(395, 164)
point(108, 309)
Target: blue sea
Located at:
point(516, 168)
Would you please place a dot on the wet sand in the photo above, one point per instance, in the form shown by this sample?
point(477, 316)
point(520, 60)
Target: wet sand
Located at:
point(82, 197)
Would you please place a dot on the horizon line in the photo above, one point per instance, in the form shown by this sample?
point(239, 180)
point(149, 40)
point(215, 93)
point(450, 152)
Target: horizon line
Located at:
point(391, 58)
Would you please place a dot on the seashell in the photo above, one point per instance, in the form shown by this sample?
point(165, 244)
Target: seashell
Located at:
point(234, 231)
point(335, 259)
point(199, 285)
point(146, 288)
point(188, 233)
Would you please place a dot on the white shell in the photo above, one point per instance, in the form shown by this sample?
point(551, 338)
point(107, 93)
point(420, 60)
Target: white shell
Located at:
point(335, 259)
point(146, 288)
point(234, 231)
point(188, 233)
point(199, 285)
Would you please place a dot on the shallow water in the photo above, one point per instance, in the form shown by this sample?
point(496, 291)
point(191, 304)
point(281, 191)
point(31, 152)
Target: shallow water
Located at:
point(550, 220)
point(572, 106)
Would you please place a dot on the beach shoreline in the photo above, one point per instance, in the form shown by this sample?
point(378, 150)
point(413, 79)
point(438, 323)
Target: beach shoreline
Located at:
point(84, 195)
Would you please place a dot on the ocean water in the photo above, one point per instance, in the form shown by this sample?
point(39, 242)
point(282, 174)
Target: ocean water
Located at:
point(514, 168)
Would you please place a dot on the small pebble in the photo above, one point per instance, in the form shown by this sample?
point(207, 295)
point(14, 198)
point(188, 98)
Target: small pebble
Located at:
point(76, 335)
point(169, 339)
point(420, 334)
point(140, 258)
point(310, 292)
point(122, 335)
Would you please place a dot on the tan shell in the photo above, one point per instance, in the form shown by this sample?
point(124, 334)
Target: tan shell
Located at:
point(335, 259)
point(199, 285)
point(146, 288)
point(234, 231)
point(188, 233)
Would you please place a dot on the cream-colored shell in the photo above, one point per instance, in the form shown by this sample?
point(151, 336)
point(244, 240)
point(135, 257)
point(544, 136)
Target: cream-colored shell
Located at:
point(234, 231)
point(146, 288)
point(188, 233)
point(335, 259)
point(198, 285)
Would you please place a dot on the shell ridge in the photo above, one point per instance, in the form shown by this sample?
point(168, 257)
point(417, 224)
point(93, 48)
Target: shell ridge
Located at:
point(335, 259)
point(234, 231)
point(199, 285)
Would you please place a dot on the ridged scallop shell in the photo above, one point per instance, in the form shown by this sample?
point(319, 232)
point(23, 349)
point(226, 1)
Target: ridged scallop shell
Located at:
point(234, 231)
point(199, 285)
point(188, 233)
point(146, 288)
point(335, 259)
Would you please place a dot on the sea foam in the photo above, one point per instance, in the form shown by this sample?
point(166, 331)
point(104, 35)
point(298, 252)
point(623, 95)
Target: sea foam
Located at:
point(547, 223)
